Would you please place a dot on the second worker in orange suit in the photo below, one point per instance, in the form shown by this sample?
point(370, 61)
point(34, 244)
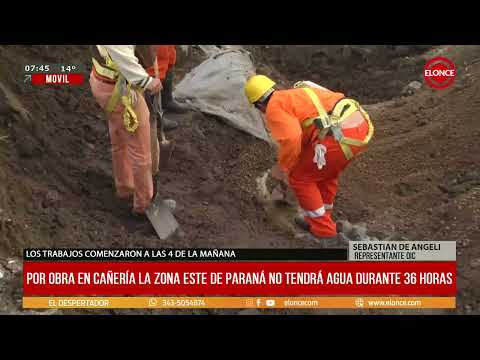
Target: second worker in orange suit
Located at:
point(318, 133)
point(166, 60)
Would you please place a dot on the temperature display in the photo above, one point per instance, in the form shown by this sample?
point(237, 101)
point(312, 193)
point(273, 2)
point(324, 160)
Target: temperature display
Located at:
point(69, 68)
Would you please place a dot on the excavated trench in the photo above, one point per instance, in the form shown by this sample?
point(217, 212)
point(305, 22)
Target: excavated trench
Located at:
point(419, 179)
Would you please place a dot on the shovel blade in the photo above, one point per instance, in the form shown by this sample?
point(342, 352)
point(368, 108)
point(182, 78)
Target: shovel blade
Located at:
point(161, 218)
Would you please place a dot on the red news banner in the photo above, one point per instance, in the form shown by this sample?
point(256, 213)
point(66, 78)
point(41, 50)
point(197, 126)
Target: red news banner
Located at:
point(239, 278)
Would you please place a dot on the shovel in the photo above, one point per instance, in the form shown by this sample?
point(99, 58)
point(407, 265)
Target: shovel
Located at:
point(158, 212)
point(166, 146)
point(161, 217)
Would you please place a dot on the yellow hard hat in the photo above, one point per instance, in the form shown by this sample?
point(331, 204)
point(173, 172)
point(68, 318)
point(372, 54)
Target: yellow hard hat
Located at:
point(257, 86)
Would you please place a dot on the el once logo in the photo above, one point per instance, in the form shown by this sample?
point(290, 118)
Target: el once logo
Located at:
point(439, 72)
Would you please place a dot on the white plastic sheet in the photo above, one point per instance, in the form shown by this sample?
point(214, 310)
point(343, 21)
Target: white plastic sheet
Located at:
point(216, 87)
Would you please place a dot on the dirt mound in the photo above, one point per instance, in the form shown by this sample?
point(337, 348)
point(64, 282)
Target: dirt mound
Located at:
point(371, 73)
point(420, 177)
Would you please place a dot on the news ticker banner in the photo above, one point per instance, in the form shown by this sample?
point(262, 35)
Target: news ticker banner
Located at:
point(238, 278)
point(239, 302)
point(357, 251)
point(241, 278)
point(197, 254)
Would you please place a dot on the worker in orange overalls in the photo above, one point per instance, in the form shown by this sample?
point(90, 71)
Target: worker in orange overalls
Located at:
point(166, 59)
point(318, 133)
point(118, 81)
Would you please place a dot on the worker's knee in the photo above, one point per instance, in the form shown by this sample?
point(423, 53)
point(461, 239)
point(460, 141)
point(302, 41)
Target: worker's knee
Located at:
point(141, 163)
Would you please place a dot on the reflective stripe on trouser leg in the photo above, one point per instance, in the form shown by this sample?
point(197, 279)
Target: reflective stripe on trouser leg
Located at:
point(328, 189)
point(311, 202)
point(314, 213)
point(321, 225)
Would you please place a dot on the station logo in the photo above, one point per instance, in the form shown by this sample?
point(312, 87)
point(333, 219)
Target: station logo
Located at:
point(439, 72)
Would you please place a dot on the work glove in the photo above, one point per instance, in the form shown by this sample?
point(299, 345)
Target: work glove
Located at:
point(282, 192)
point(319, 156)
point(279, 193)
point(278, 174)
point(155, 86)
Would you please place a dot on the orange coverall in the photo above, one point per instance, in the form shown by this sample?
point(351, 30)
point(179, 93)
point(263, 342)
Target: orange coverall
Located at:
point(131, 156)
point(166, 59)
point(314, 188)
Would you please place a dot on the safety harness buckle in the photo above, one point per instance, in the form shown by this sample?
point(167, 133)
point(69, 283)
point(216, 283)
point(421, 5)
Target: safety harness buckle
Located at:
point(322, 123)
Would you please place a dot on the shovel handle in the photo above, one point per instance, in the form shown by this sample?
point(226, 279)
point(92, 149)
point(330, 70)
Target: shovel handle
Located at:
point(158, 102)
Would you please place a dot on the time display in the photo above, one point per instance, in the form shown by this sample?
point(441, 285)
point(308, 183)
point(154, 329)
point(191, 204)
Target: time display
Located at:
point(37, 68)
point(52, 68)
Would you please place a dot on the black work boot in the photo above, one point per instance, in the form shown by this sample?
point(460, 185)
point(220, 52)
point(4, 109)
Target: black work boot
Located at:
point(338, 241)
point(168, 102)
point(301, 222)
